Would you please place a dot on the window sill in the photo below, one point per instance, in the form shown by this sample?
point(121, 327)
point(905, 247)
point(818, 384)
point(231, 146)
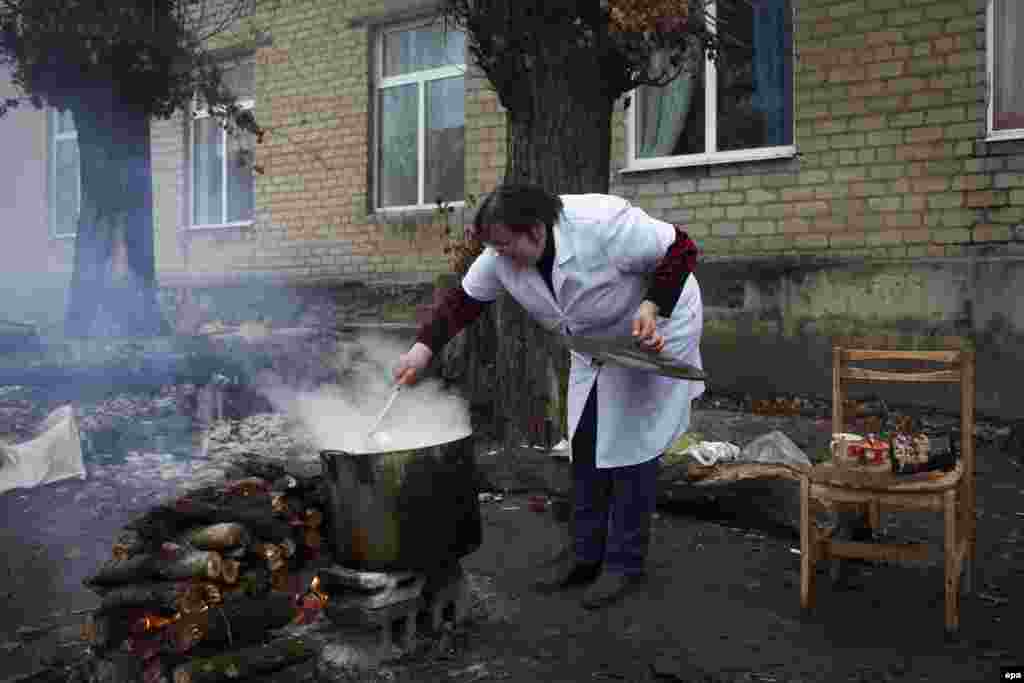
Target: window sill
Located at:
point(424, 211)
point(737, 157)
point(218, 226)
point(1004, 135)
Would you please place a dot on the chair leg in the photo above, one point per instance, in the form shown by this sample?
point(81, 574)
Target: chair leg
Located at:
point(969, 530)
point(874, 516)
point(952, 602)
point(807, 547)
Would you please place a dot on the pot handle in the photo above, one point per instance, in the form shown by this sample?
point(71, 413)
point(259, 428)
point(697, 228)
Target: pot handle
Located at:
point(330, 467)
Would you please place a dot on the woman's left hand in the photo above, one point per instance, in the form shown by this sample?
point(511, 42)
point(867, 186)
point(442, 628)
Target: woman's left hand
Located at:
point(645, 328)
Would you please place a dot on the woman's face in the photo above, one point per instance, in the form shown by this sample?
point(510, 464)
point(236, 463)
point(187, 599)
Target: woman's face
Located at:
point(524, 249)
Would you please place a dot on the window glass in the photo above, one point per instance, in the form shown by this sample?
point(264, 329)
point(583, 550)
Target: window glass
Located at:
point(66, 187)
point(240, 79)
point(207, 172)
point(422, 48)
point(445, 160)
point(398, 145)
point(241, 182)
point(1008, 62)
point(65, 121)
point(753, 103)
point(754, 88)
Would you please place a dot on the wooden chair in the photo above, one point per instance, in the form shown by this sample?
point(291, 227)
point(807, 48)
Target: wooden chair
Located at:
point(952, 493)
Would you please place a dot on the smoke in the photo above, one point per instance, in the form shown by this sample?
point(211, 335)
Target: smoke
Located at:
point(340, 416)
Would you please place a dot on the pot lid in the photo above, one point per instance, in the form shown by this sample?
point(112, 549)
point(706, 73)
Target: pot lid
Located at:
point(626, 352)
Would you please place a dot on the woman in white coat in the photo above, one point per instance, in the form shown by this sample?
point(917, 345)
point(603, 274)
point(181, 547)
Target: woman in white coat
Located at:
point(592, 265)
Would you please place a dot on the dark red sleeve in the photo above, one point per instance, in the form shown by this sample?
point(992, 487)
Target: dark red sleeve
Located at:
point(447, 318)
point(671, 273)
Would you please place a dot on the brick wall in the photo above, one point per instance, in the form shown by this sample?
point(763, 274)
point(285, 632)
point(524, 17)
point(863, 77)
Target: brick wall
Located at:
point(890, 128)
point(311, 218)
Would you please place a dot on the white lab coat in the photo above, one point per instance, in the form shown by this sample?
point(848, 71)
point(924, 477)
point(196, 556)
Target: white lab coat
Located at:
point(605, 252)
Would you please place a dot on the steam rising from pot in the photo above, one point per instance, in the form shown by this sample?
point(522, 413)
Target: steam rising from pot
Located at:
point(339, 416)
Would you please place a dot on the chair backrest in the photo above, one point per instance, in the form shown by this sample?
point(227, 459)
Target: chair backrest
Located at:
point(954, 365)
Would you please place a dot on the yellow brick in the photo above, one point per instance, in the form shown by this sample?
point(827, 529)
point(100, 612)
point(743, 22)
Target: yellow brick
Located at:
point(929, 184)
point(797, 194)
point(924, 134)
point(885, 237)
point(841, 240)
point(774, 243)
point(945, 200)
point(811, 241)
point(696, 199)
point(759, 227)
point(917, 236)
point(902, 220)
point(795, 225)
point(727, 198)
point(741, 212)
point(758, 196)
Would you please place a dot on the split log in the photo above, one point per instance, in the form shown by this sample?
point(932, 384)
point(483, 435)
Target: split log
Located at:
point(197, 564)
point(248, 486)
point(255, 512)
point(217, 536)
point(166, 595)
point(247, 662)
point(314, 518)
point(270, 555)
point(230, 571)
point(235, 622)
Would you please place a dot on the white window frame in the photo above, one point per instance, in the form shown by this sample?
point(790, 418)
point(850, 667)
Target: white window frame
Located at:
point(200, 112)
point(634, 164)
point(420, 78)
point(993, 135)
point(56, 136)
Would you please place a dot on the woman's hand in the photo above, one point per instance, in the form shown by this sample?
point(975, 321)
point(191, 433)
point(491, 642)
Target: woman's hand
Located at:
point(412, 363)
point(645, 327)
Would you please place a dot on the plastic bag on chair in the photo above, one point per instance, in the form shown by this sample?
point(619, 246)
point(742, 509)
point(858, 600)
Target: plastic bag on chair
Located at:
point(774, 448)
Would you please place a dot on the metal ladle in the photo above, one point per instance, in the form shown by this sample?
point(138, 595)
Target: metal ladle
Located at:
point(387, 407)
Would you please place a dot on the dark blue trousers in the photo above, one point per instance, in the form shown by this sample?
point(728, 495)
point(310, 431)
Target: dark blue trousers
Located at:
point(612, 507)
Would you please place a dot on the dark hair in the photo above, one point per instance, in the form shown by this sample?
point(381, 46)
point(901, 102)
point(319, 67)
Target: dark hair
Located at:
point(518, 206)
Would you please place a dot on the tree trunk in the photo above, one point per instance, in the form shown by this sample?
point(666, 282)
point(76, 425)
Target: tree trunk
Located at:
point(113, 287)
point(559, 136)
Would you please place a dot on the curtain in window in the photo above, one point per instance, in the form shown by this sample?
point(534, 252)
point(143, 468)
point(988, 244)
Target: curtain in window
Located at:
point(1008, 52)
point(772, 72)
point(241, 182)
point(663, 111)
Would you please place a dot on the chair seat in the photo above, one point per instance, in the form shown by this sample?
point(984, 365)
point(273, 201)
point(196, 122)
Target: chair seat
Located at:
point(885, 482)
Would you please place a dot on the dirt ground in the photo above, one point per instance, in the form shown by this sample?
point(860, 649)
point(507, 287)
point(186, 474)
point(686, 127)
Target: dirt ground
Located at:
point(721, 602)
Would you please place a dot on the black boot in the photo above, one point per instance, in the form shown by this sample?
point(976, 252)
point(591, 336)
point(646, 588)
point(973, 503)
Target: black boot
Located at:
point(567, 574)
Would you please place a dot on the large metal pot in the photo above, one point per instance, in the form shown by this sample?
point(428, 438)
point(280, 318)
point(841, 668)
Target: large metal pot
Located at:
point(405, 509)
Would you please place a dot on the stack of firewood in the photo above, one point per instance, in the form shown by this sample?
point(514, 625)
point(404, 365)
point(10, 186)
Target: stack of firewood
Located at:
point(218, 569)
